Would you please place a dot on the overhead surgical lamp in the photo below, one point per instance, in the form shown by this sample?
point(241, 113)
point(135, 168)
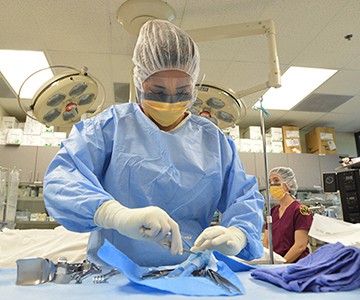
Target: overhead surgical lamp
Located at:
point(62, 99)
point(133, 14)
point(219, 105)
point(266, 28)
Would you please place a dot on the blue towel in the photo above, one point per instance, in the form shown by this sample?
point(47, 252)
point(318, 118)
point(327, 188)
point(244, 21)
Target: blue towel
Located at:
point(331, 268)
point(182, 285)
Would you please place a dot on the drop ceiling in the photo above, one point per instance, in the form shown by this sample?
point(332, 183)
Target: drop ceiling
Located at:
point(310, 33)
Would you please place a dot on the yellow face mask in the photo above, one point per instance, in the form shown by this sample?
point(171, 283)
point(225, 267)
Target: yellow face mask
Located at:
point(165, 114)
point(277, 192)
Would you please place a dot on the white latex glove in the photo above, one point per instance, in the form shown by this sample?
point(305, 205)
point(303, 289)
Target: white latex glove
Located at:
point(148, 223)
point(229, 241)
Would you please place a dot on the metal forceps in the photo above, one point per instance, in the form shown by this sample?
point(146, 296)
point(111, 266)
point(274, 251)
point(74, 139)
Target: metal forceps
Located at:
point(166, 242)
point(104, 277)
point(217, 279)
point(156, 274)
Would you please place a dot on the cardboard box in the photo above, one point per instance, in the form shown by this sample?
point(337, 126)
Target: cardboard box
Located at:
point(47, 139)
point(291, 142)
point(275, 134)
point(233, 132)
point(275, 147)
point(28, 119)
point(33, 128)
point(14, 136)
point(253, 133)
point(321, 140)
point(47, 129)
point(3, 135)
point(257, 146)
point(9, 122)
point(31, 140)
point(61, 136)
point(244, 145)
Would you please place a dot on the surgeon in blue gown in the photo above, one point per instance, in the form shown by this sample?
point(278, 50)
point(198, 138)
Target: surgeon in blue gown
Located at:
point(139, 172)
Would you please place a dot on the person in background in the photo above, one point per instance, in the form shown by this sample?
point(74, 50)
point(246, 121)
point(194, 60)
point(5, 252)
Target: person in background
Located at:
point(291, 220)
point(137, 172)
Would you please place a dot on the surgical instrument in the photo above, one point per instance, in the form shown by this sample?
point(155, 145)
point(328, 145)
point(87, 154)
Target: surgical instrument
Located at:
point(89, 268)
point(156, 274)
point(103, 278)
point(217, 279)
point(32, 271)
point(166, 242)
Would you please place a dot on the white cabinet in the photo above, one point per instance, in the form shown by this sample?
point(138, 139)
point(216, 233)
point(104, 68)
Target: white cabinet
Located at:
point(273, 159)
point(43, 159)
point(308, 168)
point(248, 161)
point(329, 162)
point(23, 158)
point(31, 160)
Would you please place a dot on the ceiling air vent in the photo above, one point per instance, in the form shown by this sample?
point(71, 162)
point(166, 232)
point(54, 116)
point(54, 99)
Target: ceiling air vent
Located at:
point(321, 102)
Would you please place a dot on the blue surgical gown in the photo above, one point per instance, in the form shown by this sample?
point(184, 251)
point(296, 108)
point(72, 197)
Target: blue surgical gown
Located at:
point(189, 172)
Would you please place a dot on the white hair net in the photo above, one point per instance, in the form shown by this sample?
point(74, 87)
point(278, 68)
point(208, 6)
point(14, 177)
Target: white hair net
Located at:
point(163, 46)
point(288, 176)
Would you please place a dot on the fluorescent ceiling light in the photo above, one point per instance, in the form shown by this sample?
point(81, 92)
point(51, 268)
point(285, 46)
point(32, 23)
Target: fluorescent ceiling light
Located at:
point(296, 84)
point(17, 65)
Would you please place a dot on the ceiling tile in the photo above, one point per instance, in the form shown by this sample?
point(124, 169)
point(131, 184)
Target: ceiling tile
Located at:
point(122, 42)
point(321, 102)
point(353, 126)
point(22, 31)
point(121, 67)
point(73, 25)
point(331, 120)
point(299, 119)
point(297, 23)
point(214, 71)
point(207, 13)
point(243, 75)
point(351, 106)
point(330, 49)
point(353, 64)
point(344, 82)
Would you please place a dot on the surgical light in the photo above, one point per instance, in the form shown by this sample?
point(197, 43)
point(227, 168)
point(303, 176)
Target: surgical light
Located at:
point(135, 13)
point(296, 84)
point(62, 99)
point(219, 105)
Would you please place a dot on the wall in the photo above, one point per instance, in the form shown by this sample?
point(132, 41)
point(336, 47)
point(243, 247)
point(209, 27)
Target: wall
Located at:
point(2, 112)
point(346, 144)
point(66, 129)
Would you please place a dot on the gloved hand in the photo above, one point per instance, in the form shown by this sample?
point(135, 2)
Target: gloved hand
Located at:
point(229, 241)
point(147, 223)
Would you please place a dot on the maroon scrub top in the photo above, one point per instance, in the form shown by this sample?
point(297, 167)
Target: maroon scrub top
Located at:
point(296, 217)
